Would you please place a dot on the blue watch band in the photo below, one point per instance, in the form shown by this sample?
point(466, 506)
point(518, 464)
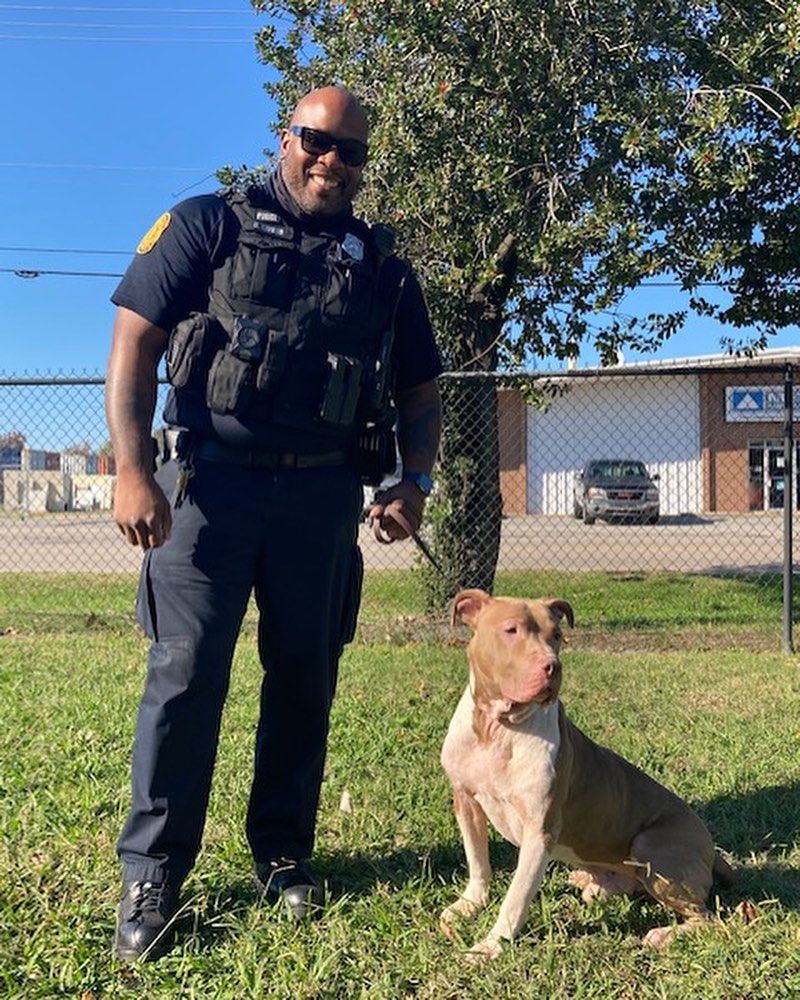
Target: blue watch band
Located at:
point(420, 479)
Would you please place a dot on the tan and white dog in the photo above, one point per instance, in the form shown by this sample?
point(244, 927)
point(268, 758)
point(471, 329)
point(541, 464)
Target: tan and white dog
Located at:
point(515, 759)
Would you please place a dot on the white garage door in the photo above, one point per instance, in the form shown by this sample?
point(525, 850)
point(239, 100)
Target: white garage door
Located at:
point(655, 419)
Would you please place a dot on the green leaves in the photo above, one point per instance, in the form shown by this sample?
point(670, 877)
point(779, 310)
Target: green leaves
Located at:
point(612, 140)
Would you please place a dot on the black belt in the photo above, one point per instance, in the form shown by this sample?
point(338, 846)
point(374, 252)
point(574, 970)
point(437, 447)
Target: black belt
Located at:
point(215, 451)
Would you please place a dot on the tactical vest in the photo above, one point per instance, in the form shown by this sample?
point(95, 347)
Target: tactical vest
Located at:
point(294, 349)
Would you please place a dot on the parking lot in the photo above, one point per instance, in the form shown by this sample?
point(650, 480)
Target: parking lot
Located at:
point(751, 543)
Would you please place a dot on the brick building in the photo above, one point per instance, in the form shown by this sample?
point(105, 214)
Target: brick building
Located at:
point(711, 428)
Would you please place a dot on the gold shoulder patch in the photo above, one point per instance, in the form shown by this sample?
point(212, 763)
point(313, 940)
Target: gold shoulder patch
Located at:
point(154, 233)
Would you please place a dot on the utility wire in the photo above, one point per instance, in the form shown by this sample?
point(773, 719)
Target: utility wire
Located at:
point(28, 272)
point(98, 166)
point(119, 10)
point(119, 253)
point(146, 41)
point(118, 24)
point(24, 272)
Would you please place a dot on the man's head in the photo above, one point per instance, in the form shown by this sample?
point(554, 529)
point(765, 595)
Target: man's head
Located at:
point(322, 183)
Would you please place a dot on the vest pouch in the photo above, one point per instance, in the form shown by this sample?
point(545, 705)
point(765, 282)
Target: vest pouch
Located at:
point(378, 379)
point(274, 364)
point(262, 271)
point(375, 455)
point(342, 390)
point(349, 293)
point(230, 384)
point(191, 346)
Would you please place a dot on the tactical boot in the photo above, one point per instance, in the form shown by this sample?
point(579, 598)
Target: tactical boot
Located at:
point(145, 925)
point(292, 881)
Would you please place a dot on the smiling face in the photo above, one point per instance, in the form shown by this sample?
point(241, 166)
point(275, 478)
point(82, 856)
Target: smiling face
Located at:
point(323, 184)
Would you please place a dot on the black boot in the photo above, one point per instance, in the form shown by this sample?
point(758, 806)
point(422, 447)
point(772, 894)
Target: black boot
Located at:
point(293, 881)
point(145, 926)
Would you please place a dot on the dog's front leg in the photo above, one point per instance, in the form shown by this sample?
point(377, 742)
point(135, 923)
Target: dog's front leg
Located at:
point(474, 829)
point(533, 859)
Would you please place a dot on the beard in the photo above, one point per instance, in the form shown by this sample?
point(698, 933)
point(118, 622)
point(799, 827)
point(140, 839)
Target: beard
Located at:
point(316, 189)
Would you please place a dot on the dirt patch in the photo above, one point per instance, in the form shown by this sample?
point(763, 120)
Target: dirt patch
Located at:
point(412, 629)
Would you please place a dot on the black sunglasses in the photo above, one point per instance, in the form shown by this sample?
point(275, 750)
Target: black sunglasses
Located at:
point(352, 152)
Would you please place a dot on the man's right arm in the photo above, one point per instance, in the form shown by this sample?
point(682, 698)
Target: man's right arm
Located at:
point(141, 510)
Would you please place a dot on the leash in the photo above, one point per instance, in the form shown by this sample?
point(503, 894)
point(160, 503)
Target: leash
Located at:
point(421, 544)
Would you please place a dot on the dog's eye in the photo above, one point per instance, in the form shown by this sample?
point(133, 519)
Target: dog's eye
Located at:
point(510, 629)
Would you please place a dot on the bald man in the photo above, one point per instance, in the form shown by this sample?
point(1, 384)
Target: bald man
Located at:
point(274, 306)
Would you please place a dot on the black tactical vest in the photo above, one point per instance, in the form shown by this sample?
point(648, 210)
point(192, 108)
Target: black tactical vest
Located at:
point(288, 353)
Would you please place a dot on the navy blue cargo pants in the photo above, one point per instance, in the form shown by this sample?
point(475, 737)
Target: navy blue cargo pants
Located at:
point(290, 537)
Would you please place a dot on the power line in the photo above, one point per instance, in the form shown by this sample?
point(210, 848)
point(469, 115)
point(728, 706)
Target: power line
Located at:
point(120, 10)
point(74, 27)
point(24, 272)
point(118, 253)
point(128, 39)
point(117, 24)
point(98, 166)
point(27, 272)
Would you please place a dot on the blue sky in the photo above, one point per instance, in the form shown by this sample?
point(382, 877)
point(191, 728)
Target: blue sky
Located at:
point(112, 112)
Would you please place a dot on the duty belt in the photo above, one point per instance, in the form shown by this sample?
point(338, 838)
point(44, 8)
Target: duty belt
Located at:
point(215, 451)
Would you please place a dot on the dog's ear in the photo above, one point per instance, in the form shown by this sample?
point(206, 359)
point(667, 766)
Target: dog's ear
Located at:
point(563, 609)
point(467, 604)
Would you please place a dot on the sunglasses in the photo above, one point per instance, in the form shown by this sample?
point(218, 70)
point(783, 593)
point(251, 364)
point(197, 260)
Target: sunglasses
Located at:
point(352, 152)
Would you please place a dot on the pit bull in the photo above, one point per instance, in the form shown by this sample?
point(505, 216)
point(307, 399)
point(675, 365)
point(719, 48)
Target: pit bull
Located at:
point(515, 759)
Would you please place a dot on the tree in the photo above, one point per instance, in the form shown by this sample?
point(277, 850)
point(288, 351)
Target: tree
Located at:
point(12, 441)
point(79, 448)
point(539, 160)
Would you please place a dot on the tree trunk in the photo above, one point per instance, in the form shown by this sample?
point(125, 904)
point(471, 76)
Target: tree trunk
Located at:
point(466, 510)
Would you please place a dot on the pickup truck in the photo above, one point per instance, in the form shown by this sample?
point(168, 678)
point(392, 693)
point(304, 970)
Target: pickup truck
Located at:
point(616, 489)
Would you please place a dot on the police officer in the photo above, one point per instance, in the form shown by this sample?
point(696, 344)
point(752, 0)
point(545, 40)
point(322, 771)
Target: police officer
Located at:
point(280, 314)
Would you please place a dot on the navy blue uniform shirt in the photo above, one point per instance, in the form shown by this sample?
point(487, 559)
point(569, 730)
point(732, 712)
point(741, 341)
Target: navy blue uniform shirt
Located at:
point(170, 277)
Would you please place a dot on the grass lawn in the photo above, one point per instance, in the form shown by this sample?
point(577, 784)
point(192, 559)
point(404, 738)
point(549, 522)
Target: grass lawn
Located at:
point(684, 676)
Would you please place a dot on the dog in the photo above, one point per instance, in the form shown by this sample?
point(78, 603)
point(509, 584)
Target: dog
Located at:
point(515, 759)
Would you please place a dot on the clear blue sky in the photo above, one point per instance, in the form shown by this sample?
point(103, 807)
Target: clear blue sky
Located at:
point(112, 112)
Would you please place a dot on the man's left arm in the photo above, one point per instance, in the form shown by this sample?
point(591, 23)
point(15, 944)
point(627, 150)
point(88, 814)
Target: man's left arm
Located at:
point(419, 425)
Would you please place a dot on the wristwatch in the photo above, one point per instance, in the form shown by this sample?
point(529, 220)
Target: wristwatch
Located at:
point(420, 479)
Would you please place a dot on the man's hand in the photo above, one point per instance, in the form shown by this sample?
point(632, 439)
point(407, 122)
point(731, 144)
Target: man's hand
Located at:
point(141, 510)
point(407, 500)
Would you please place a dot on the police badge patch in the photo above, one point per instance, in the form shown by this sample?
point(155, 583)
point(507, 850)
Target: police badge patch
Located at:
point(154, 233)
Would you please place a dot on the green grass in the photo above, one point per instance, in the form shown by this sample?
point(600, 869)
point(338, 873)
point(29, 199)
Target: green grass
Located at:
point(713, 711)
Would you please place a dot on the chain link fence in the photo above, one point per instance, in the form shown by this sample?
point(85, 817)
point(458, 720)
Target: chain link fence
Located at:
point(637, 469)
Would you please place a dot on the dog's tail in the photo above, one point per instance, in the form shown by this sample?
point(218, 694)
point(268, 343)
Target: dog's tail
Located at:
point(722, 870)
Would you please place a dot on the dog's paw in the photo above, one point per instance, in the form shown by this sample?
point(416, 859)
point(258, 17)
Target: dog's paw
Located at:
point(590, 887)
point(598, 884)
point(450, 916)
point(658, 937)
point(484, 951)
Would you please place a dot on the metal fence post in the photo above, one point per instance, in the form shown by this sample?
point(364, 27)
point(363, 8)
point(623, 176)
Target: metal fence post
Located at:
point(788, 506)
